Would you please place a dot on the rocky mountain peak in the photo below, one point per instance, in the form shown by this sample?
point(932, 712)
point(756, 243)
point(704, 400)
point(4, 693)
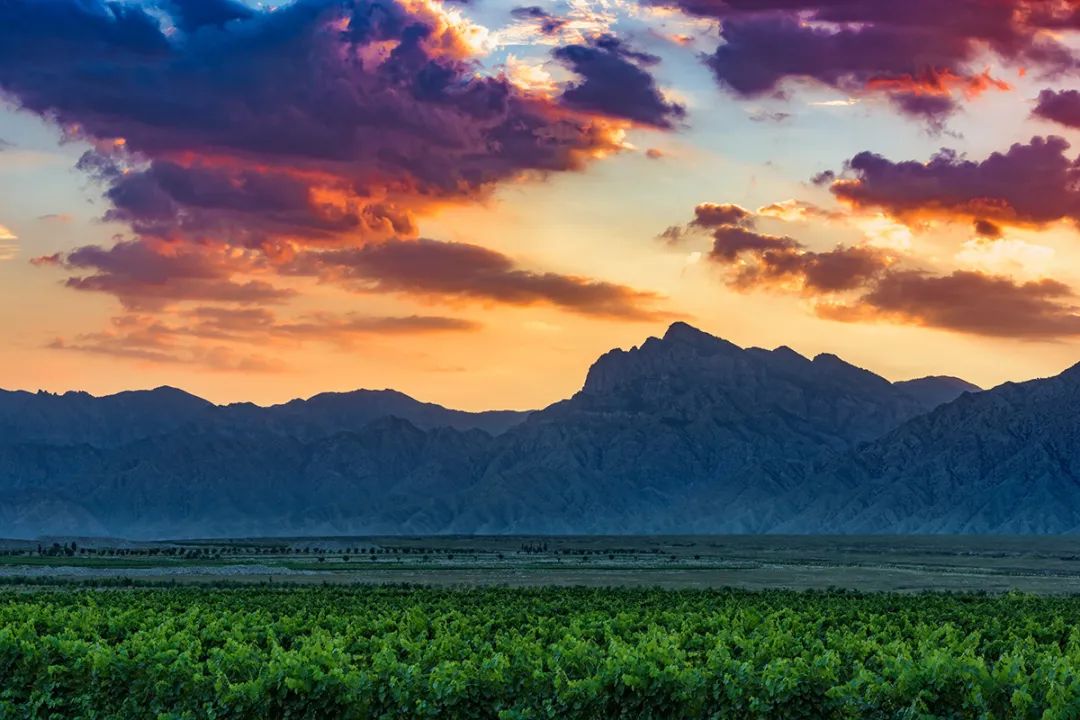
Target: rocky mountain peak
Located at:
point(683, 333)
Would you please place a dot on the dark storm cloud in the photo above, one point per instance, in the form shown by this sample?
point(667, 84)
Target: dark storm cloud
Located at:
point(1033, 183)
point(231, 138)
point(921, 54)
point(303, 86)
point(191, 15)
point(1062, 106)
point(243, 205)
point(614, 82)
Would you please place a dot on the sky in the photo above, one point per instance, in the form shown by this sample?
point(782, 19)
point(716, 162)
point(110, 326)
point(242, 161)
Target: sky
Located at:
point(471, 201)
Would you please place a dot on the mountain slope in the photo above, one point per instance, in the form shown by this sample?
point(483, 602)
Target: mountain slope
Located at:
point(199, 482)
point(686, 433)
point(78, 417)
point(1005, 461)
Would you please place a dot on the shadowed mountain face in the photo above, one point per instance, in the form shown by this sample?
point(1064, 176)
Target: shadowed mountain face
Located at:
point(1004, 461)
point(686, 433)
point(76, 417)
point(330, 413)
point(103, 422)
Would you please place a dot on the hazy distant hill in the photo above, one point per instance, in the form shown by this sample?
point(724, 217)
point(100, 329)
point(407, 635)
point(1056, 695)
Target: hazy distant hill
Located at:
point(686, 433)
point(330, 413)
point(75, 418)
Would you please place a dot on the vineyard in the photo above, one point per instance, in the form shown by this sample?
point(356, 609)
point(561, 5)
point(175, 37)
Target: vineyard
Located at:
point(395, 652)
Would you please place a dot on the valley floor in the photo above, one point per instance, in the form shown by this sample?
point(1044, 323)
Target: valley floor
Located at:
point(1042, 565)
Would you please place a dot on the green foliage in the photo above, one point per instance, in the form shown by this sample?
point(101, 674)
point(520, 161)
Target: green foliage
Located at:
point(572, 654)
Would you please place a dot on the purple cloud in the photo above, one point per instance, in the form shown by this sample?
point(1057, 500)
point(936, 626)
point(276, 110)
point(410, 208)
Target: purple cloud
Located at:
point(1061, 106)
point(614, 82)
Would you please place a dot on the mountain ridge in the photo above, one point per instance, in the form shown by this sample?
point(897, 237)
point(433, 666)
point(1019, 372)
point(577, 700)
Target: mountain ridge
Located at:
point(77, 417)
point(685, 432)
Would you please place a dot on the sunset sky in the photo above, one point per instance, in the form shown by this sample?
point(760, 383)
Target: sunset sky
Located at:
point(470, 201)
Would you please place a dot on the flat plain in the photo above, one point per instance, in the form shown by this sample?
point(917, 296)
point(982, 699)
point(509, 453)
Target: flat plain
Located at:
point(1045, 565)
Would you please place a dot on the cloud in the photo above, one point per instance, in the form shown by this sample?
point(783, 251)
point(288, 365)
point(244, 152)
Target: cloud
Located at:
point(710, 215)
point(878, 229)
point(546, 23)
point(968, 302)
point(1033, 184)
point(208, 336)
point(1006, 257)
point(369, 92)
point(790, 265)
point(769, 116)
point(233, 138)
point(146, 340)
point(730, 240)
point(146, 275)
point(1062, 106)
point(871, 283)
point(614, 82)
point(191, 15)
point(370, 100)
point(922, 55)
point(433, 268)
point(248, 207)
point(8, 248)
point(326, 326)
point(794, 210)
point(707, 216)
point(986, 229)
point(55, 218)
point(255, 323)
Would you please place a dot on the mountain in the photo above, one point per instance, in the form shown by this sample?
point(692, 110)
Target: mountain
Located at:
point(329, 413)
point(203, 481)
point(686, 433)
point(1003, 461)
point(75, 418)
point(937, 389)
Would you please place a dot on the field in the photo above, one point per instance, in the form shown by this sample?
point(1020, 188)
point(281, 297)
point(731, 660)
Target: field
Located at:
point(1043, 565)
point(502, 653)
point(515, 628)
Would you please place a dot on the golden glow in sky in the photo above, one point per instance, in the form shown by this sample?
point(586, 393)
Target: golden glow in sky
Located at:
point(470, 203)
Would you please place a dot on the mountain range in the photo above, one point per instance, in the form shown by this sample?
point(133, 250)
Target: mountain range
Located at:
point(686, 433)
